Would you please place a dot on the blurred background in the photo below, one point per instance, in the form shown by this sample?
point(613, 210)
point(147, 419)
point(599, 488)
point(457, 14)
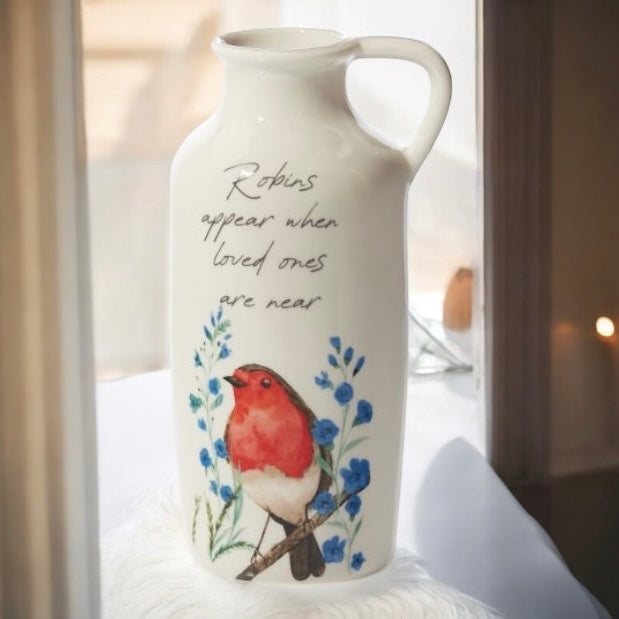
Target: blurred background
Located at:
point(151, 77)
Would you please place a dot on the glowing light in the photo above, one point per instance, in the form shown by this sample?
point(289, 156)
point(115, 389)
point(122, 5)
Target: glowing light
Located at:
point(605, 326)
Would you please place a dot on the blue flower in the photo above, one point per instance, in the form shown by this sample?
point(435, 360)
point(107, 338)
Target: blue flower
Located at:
point(202, 424)
point(224, 352)
point(357, 476)
point(220, 311)
point(364, 413)
point(196, 360)
point(353, 505)
point(323, 380)
point(213, 386)
point(205, 458)
point(212, 319)
point(333, 549)
point(324, 431)
point(336, 343)
point(323, 503)
point(194, 402)
point(348, 354)
point(214, 488)
point(332, 361)
point(344, 393)
point(220, 448)
point(357, 561)
point(227, 336)
point(358, 365)
point(207, 333)
point(225, 492)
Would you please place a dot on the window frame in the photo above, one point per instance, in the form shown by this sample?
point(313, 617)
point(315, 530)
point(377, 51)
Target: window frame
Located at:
point(516, 182)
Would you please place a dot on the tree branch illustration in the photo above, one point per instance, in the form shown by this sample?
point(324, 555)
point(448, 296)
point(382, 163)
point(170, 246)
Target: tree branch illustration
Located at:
point(277, 551)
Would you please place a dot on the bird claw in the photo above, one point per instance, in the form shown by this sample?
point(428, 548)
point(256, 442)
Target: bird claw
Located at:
point(305, 524)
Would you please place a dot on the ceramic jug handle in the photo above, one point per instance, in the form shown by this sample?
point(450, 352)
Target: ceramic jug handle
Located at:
point(440, 86)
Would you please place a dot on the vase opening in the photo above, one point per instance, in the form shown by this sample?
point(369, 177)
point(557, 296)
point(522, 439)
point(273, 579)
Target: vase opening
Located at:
point(281, 39)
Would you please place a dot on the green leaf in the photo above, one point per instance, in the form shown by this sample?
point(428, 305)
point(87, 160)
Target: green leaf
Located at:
point(324, 465)
point(221, 536)
point(355, 530)
point(222, 516)
point(209, 519)
point(218, 400)
point(354, 444)
point(222, 327)
point(238, 504)
point(195, 402)
point(194, 522)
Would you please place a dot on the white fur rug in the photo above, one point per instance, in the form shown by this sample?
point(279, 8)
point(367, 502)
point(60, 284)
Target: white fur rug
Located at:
point(148, 573)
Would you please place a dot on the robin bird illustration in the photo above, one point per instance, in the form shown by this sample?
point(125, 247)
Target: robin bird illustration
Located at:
point(269, 440)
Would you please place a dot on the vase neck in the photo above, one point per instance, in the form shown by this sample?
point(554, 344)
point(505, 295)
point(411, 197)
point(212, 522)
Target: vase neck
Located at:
point(283, 92)
point(284, 70)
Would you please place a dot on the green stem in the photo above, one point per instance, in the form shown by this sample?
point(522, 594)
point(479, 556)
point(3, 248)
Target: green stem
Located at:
point(349, 551)
point(345, 434)
point(342, 443)
point(196, 509)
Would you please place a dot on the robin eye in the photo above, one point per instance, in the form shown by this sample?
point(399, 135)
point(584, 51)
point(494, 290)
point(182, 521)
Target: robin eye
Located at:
point(265, 382)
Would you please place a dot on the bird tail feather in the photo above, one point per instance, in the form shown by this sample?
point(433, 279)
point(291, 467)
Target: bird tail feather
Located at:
point(316, 560)
point(305, 557)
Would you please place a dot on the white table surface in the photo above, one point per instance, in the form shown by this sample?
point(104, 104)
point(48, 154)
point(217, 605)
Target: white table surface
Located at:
point(455, 513)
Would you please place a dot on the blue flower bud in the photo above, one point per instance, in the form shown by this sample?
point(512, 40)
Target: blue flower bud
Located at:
point(333, 549)
point(336, 343)
point(348, 355)
point(357, 561)
point(343, 393)
point(358, 365)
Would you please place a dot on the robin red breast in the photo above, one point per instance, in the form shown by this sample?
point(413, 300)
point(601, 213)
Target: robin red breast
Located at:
point(269, 440)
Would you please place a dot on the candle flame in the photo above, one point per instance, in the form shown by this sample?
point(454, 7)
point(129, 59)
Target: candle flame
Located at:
point(605, 326)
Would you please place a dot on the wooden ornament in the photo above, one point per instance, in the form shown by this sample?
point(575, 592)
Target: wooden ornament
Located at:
point(458, 303)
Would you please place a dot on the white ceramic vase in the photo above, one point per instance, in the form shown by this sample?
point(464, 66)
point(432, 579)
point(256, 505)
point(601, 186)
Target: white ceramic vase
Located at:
point(289, 315)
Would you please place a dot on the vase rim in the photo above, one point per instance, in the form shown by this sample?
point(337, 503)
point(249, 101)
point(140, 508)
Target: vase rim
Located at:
point(281, 44)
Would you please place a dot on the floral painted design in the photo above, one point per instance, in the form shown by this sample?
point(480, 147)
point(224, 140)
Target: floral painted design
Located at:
point(357, 561)
point(324, 431)
point(353, 505)
point(333, 549)
point(223, 505)
point(323, 503)
point(347, 477)
point(261, 393)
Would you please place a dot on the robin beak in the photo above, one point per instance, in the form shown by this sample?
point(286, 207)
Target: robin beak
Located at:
point(234, 381)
